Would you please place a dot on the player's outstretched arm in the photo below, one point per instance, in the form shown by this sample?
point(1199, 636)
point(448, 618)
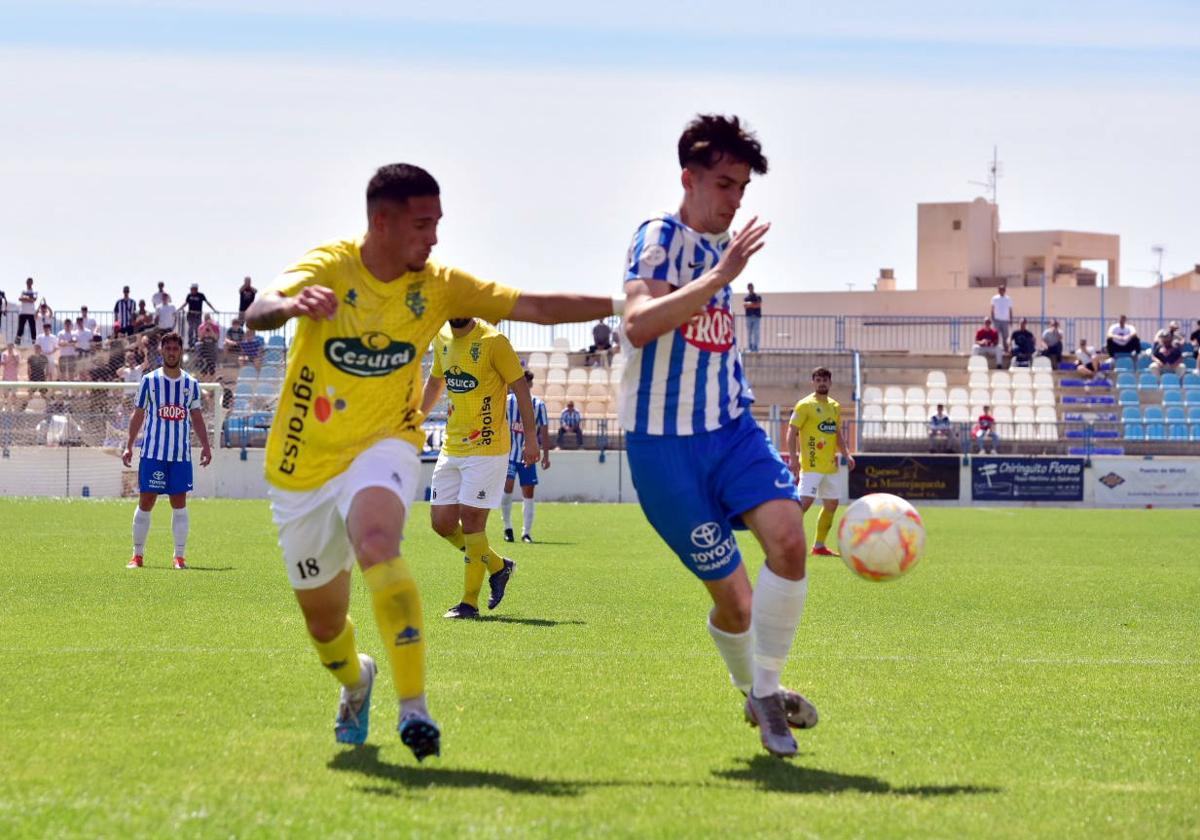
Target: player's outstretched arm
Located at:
point(654, 307)
point(273, 310)
point(560, 308)
point(528, 419)
point(432, 393)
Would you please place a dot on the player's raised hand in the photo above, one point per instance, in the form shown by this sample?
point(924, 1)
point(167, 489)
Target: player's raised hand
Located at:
point(745, 243)
point(316, 302)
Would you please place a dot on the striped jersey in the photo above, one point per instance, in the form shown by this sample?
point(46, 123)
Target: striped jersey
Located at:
point(691, 379)
point(516, 428)
point(168, 404)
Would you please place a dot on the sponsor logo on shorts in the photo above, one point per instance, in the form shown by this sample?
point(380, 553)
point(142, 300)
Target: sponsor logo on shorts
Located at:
point(159, 475)
point(706, 535)
point(372, 354)
point(482, 494)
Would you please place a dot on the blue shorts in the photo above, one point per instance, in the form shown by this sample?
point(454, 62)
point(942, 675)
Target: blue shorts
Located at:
point(166, 478)
point(526, 476)
point(695, 488)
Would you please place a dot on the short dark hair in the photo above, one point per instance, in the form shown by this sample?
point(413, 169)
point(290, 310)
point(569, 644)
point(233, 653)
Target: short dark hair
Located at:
point(171, 336)
point(528, 376)
point(709, 137)
point(820, 371)
point(399, 182)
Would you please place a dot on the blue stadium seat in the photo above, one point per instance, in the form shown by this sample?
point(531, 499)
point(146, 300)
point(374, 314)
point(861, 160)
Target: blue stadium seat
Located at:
point(1153, 413)
point(276, 341)
point(1178, 431)
point(1175, 414)
point(1156, 431)
point(1134, 431)
point(1169, 382)
point(1173, 397)
point(1148, 382)
point(247, 372)
point(244, 389)
point(1192, 397)
point(1126, 380)
point(1142, 361)
point(273, 356)
point(1191, 379)
point(241, 404)
point(1129, 396)
point(1123, 363)
point(1194, 414)
point(1131, 414)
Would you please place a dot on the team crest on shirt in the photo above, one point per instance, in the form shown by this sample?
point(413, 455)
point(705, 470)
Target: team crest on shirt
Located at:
point(711, 330)
point(474, 351)
point(351, 298)
point(414, 300)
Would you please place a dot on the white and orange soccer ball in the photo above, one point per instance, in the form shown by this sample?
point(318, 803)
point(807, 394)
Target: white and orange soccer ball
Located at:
point(881, 537)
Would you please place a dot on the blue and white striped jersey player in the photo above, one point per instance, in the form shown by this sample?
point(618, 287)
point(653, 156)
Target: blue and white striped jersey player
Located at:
point(517, 471)
point(171, 400)
point(701, 464)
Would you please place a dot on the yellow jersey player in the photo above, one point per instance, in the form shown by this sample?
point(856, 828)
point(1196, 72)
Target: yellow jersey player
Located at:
point(341, 456)
point(476, 365)
point(814, 437)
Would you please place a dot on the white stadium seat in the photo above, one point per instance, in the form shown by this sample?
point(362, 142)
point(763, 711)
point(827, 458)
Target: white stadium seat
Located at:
point(1044, 397)
point(978, 379)
point(597, 392)
point(555, 391)
point(598, 376)
point(872, 394)
point(935, 379)
point(894, 415)
point(577, 376)
point(934, 396)
point(1024, 422)
point(893, 395)
point(1021, 378)
point(539, 361)
point(958, 396)
point(915, 420)
point(555, 408)
point(1022, 396)
point(959, 414)
point(872, 416)
point(556, 376)
point(1041, 363)
point(576, 391)
point(1042, 379)
point(595, 410)
point(1001, 379)
point(559, 360)
point(977, 363)
point(915, 395)
point(980, 396)
point(1001, 396)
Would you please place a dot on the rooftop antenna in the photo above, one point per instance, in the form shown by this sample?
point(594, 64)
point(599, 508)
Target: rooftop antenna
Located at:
point(995, 172)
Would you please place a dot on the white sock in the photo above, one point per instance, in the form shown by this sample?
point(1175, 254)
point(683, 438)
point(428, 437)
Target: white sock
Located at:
point(413, 705)
point(179, 527)
point(527, 508)
point(774, 616)
point(737, 649)
point(506, 510)
point(141, 529)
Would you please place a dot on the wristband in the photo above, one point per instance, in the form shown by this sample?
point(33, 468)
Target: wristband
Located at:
point(618, 304)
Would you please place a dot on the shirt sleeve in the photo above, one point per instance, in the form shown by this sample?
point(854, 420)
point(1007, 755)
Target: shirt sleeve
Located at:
point(542, 420)
point(143, 397)
point(797, 416)
point(650, 253)
point(193, 395)
point(310, 270)
point(471, 297)
point(437, 370)
point(505, 360)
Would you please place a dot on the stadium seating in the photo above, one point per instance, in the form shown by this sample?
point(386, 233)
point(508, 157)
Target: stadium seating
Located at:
point(1041, 363)
point(958, 396)
point(934, 397)
point(1172, 397)
point(1192, 396)
point(558, 360)
point(277, 341)
point(978, 379)
point(561, 345)
point(1123, 363)
point(1127, 380)
point(977, 363)
point(935, 379)
point(893, 395)
point(1134, 431)
point(1147, 382)
point(1129, 396)
point(872, 395)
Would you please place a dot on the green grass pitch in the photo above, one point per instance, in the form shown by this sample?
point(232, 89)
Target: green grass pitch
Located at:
point(1036, 675)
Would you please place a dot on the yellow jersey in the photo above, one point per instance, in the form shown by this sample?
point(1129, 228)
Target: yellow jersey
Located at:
point(817, 423)
point(477, 368)
point(355, 379)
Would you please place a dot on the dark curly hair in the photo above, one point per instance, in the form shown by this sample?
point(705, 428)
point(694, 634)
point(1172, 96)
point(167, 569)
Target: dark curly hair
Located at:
point(709, 137)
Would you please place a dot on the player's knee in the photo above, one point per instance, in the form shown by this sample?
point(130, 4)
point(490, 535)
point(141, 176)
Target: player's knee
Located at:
point(443, 526)
point(376, 545)
point(732, 616)
point(324, 628)
point(788, 545)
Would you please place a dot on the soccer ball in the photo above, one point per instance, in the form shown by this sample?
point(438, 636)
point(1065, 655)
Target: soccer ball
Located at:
point(881, 537)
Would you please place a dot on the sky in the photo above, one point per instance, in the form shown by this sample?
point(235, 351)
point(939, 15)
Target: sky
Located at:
point(205, 140)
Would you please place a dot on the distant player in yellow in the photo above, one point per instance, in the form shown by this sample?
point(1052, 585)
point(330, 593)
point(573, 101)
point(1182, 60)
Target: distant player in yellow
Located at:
point(814, 436)
point(341, 456)
point(476, 365)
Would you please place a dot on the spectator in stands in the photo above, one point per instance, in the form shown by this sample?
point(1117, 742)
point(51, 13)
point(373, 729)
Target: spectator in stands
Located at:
point(89, 323)
point(157, 299)
point(1170, 331)
point(206, 351)
point(83, 341)
point(234, 336)
point(1195, 338)
point(570, 423)
point(166, 315)
point(10, 363)
point(131, 371)
point(45, 315)
point(1052, 338)
point(246, 296)
point(1002, 313)
point(753, 305)
point(1087, 360)
point(39, 364)
point(987, 342)
point(1122, 338)
point(942, 437)
point(1167, 355)
point(106, 364)
point(1024, 345)
point(601, 350)
point(124, 311)
point(253, 348)
point(48, 342)
point(68, 351)
point(3, 309)
point(194, 307)
point(28, 300)
point(209, 327)
point(142, 319)
point(985, 431)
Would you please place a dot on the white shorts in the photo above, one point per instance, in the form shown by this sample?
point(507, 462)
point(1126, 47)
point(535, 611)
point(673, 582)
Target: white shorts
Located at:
point(473, 480)
point(815, 485)
point(312, 523)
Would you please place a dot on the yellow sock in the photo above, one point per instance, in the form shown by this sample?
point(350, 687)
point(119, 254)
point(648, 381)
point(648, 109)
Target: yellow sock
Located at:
point(493, 561)
point(824, 523)
point(340, 656)
point(401, 625)
point(477, 545)
point(456, 539)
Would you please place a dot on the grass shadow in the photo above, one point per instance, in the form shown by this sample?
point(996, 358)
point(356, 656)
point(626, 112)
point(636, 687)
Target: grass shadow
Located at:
point(190, 568)
point(551, 542)
point(773, 774)
point(365, 760)
point(532, 622)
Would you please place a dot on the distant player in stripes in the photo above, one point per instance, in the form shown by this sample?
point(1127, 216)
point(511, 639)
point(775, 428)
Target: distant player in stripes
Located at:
point(701, 464)
point(517, 470)
point(171, 399)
